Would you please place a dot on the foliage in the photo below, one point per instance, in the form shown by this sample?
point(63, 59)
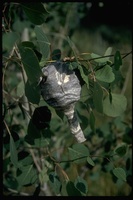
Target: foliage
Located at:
point(38, 149)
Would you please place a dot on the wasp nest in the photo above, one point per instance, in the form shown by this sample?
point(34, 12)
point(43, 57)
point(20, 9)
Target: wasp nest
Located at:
point(60, 88)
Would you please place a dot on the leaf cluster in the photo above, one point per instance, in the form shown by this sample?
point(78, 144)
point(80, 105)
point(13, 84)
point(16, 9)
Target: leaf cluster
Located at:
point(33, 141)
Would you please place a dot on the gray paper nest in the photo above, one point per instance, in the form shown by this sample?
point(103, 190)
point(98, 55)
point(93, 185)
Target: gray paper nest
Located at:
point(60, 88)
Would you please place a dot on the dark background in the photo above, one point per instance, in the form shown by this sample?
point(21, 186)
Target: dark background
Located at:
point(113, 13)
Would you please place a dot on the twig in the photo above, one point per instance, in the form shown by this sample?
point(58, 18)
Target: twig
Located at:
point(19, 193)
point(34, 159)
point(63, 172)
point(7, 128)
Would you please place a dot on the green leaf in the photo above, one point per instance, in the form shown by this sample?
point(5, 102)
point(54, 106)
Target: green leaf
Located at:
point(28, 44)
point(81, 185)
point(121, 150)
point(71, 44)
point(13, 152)
point(98, 97)
point(43, 42)
point(92, 121)
point(20, 89)
point(117, 107)
point(120, 173)
point(41, 142)
point(72, 190)
point(20, 25)
point(90, 161)
point(28, 160)
point(108, 53)
point(43, 176)
point(32, 92)
point(36, 12)
point(55, 182)
point(78, 153)
point(105, 74)
point(117, 60)
point(56, 54)
point(10, 181)
point(99, 58)
point(83, 120)
point(31, 64)
point(8, 40)
point(83, 75)
point(60, 114)
point(32, 46)
point(20, 104)
point(28, 175)
point(63, 188)
point(73, 65)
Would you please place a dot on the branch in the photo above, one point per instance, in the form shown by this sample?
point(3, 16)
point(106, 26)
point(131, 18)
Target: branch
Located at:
point(34, 158)
point(19, 193)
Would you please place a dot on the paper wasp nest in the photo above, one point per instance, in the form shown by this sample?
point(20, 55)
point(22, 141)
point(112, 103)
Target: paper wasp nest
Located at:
point(60, 88)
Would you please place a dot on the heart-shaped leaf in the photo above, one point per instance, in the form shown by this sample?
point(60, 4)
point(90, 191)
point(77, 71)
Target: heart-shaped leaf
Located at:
point(43, 42)
point(120, 173)
point(116, 107)
point(105, 74)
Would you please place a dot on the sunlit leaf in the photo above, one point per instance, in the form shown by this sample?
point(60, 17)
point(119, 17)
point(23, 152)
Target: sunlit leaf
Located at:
point(102, 59)
point(43, 42)
point(98, 97)
point(105, 74)
point(117, 107)
point(98, 58)
point(120, 173)
point(36, 12)
point(63, 188)
point(108, 52)
point(43, 176)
